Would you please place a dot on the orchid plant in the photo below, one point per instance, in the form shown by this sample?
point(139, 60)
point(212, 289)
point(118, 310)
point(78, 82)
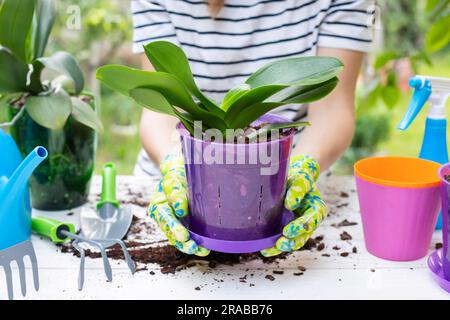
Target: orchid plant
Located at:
point(171, 89)
point(25, 27)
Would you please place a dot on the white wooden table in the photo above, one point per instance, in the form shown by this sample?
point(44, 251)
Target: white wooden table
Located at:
point(358, 276)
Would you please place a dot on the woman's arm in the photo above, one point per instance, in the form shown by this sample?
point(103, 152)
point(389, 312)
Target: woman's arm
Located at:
point(157, 130)
point(333, 118)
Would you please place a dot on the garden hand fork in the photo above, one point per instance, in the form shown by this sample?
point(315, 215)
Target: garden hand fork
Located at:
point(17, 253)
point(59, 232)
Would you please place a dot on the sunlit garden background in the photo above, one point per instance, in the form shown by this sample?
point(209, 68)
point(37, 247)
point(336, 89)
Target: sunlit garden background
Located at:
point(412, 37)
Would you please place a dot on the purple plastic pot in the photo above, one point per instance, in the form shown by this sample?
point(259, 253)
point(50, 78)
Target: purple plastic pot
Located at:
point(445, 196)
point(234, 201)
point(435, 265)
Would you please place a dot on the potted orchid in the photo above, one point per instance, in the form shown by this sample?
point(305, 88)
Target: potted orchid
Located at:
point(236, 153)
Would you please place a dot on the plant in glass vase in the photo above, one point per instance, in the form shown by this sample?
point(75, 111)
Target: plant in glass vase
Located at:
point(55, 113)
point(236, 153)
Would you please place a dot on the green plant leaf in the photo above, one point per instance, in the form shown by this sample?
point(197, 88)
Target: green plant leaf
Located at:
point(64, 63)
point(85, 114)
point(186, 121)
point(233, 95)
point(308, 94)
point(124, 79)
point(249, 98)
point(385, 57)
point(390, 95)
point(434, 8)
point(296, 71)
point(167, 57)
point(152, 100)
point(16, 17)
point(438, 36)
point(13, 73)
point(42, 26)
point(50, 111)
point(276, 126)
point(8, 98)
point(253, 112)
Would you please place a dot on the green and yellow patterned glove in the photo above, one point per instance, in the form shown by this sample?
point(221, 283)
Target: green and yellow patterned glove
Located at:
point(170, 202)
point(303, 198)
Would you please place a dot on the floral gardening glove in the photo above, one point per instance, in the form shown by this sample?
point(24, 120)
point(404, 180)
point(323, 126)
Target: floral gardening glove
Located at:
point(170, 202)
point(304, 199)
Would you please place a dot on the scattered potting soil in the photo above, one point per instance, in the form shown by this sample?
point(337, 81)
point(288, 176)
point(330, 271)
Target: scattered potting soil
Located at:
point(345, 236)
point(344, 254)
point(344, 223)
point(298, 273)
point(343, 194)
point(170, 259)
point(278, 272)
point(447, 178)
point(438, 245)
point(355, 250)
point(270, 277)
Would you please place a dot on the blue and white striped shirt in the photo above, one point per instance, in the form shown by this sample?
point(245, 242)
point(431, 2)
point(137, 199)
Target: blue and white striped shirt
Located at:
point(247, 34)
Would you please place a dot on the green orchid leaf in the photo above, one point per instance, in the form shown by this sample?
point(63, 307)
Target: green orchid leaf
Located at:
point(124, 79)
point(152, 100)
point(13, 73)
point(296, 71)
point(233, 95)
point(251, 97)
point(85, 114)
point(253, 136)
point(50, 111)
point(64, 63)
point(42, 26)
point(186, 120)
point(167, 57)
point(308, 94)
point(171, 88)
point(16, 17)
point(252, 113)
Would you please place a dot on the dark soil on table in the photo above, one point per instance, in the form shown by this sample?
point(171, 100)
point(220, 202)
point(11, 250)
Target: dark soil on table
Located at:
point(447, 178)
point(171, 260)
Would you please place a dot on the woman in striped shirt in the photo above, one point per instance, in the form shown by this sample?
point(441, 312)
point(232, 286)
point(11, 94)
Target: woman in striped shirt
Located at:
point(226, 41)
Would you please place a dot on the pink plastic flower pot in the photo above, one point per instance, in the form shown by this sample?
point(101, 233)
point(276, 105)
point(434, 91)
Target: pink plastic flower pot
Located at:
point(399, 199)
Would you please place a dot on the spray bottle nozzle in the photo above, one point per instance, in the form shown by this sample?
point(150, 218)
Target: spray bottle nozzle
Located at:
point(422, 91)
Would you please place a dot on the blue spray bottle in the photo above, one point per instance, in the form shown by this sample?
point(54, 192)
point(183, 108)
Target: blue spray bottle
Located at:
point(436, 91)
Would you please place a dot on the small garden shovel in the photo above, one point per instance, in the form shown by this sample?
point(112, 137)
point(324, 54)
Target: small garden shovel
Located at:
point(110, 221)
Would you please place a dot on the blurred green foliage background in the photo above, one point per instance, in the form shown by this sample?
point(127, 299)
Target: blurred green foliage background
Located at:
point(412, 37)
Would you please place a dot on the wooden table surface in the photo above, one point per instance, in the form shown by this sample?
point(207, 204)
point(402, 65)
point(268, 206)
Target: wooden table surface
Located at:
point(357, 276)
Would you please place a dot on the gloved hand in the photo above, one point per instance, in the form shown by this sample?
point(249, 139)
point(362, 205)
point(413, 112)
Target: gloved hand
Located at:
point(302, 197)
point(170, 202)
point(305, 201)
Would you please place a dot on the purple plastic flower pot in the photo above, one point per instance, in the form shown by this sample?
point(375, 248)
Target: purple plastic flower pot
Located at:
point(234, 200)
point(445, 196)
